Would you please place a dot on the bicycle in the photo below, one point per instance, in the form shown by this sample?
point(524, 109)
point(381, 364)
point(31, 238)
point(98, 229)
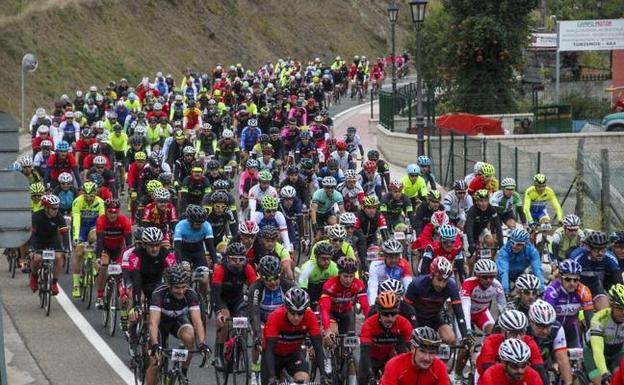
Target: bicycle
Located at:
point(205, 302)
point(120, 173)
point(448, 353)
point(87, 274)
point(235, 354)
point(575, 355)
point(13, 260)
point(140, 352)
point(111, 307)
point(343, 357)
point(70, 246)
point(173, 375)
point(45, 280)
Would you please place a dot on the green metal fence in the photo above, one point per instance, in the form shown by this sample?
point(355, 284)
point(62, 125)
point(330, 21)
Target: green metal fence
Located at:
point(397, 112)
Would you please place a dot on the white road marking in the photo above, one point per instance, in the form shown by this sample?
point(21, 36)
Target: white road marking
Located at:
point(98, 342)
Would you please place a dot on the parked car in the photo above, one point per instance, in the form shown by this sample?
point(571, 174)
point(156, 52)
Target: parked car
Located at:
point(614, 122)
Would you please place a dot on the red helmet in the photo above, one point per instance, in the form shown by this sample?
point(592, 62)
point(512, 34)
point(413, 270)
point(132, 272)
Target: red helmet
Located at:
point(341, 145)
point(396, 185)
point(311, 102)
point(370, 166)
point(248, 228)
point(439, 218)
point(441, 266)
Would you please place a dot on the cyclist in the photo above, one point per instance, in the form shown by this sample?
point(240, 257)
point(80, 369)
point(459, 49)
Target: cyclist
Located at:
point(604, 352)
point(261, 190)
point(284, 333)
point(405, 309)
point(421, 365)
point(193, 237)
point(114, 234)
point(515, 256)
point(567, 237)
point(515, 356)
point(617, 246)
point(161, 213)
point(485, 179)
point(429, 233)
point(227, 149)
point(342, 156)
point(457, 203)
point(351, 191)
point(569, 297)
point(428, 293)
point(600, 267)
point(268, 245)
point(316, 271)
point(370, 220)
point(290, 207)
point(424, 162)
point(382, 336)
point(550, 338)
point(414, 185)
point(183, 165)
point(174, 310)
point(228, 293)
point(271, 216)
point(221, 217)
point(396, 207)
point(354, 139)
point(513, 324)
point(48, 229)
point(423, 213)
point(37, 190)
point(509, 204)
point(481, 220)
point(305, 147)
point(193, 188)
point(369, 179)
point(66, 192)
point(477, 294)
point(448, 246)
point(390, 266)
point(536, 197)
point(323, 200)
point(296, 181)
point(26, 165)
point(85, 211)
point(332, 169)
point(62, 161)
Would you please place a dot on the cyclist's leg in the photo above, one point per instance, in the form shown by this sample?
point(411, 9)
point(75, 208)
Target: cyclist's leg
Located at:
point(77, 262)
point(35, 265)
point(186, 334)
point(165, 328)
point(298, 367)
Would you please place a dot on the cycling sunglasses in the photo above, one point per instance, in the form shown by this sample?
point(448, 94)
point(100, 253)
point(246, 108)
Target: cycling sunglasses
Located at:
point(518, 243)
point(488, 277)
point(389, 313)
point(297, 313)
point(269, 211)
point(530, 292)
point(336, 240)
point(221, 207)
point(271, 278)
point(517, 366)
point(571, 279)
point(237, 259)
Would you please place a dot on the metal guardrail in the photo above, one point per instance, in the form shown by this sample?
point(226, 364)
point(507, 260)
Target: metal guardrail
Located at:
point(402, 104)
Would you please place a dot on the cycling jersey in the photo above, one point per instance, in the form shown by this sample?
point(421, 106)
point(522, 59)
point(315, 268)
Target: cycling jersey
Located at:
point(288, 336)
point(352, 197)
point(562, 246)
point(489, 352)
point(555, 341)
point(171, 307)
point(495, 375)
point(370, 226)
point(416, 189)
point(325, 202)
point(152, 216)
point(568, 305)
point(312, 278)
point(336, 298)
point(119, 143)
point(607, 338)
point(535, 204)
point(256, 194)
point(383, 341)
point(247, 181)
point(371, 186)
point(378, 272)
point(394, 209)
point(345, 250)
point(262, 302)
point(228, 286)
point(145, 272)
point(45, 230)
point(478, 220)
point(476, 299)
point(508, 207)
point(456, 208)
point(193, 190)
point(113, 234)
point(84, 216)
point(510, 265)
point(278, 221)
point(480, 182)
point(222, 223)
point(58, 165)
point(596, 274)
point(401, 370)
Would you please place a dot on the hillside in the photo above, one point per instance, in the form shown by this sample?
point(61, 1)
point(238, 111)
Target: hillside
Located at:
point(81, 42)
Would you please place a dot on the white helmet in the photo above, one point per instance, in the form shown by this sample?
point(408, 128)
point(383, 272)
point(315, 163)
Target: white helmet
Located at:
point(514, 351)
point(43, 129)
point(542, 313)
point(41, 112)
point(227, 133)
point(65, 177)
point(513, 321)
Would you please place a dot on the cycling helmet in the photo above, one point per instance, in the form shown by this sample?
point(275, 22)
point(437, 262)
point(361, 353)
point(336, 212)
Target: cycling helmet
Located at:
point(50, 200)
point(152, 185)
point(477, 167)
point(269, 266)
point(485, 266)
point(441, 266)
point(447, 232)
point(265, 176)
point(264, 138)
point(347, 265)
point(227, 134)
point(370, 201)
point(206, 126)
point(387, 300)
point(542, 313)
point(292, 170)
point(570, 266)
point(513, 321)
point(96, 178)
point(329, 181)
point(395, 185)
point(348, 219)
point(307, 164)
point(423, 161)
point(287, 192)
point(439, 218)
point(140, 155)
point(212, 164)
point(392, 246)
point(220, 197)
point(373, 155)
point(99, 161)
point(62, 146)
point(527, 282)
point(151, 235)
point(323, 248)
point(305, 135)
point(196, 214)
point(616, 294)
point(156, 158)
point(617, 237)
point(539, 179)
point(596, 239)
point(296, 300)
point(351, 130)
point(393, 285)
point(112, 204)
point(341, 145)
point(274, 130)
point(161, 195)
point(519, 235)
point(336, 231)
point(37, 188)
point(350, 174)
point(434, 195)
point(269, 203)
point(65, 177)
point(236, 249)
point(165, 178)
point(508, 183)
point(369, 166)
point(332, 164)
point(514, 351)
point(487, 170)
point(221, 184)
point(425, 337)
point(269, 232)
point(45, 145)
point(135, 140)
point(252, 123)
point(248, 228)
point(459, 185)
point(571, 221)
point(89, 188)
point(26, 161)
point(413, 169)
point(188, 150)
point(482, 194)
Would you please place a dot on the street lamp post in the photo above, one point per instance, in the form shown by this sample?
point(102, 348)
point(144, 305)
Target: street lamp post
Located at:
point(393, 12)
point(418, 16)
point(29, 64)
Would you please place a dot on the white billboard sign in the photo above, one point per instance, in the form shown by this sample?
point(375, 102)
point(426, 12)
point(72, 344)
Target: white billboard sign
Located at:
point(590, 35)
point(543, 41)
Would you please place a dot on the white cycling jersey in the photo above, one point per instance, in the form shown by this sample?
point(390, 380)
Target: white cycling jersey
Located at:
point(378, 272)
point(456, 208)
point(476, 299)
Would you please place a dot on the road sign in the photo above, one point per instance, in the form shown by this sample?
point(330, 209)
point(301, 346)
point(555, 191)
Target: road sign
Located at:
point(591, 35)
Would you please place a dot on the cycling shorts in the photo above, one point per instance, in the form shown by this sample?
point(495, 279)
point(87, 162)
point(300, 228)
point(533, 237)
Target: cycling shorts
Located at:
point(345, 321)
point(173, 326)
point(434, 323)
point(195, 258)
point(482, 319)
point(237, 306)
point(538, 211)
point(113, 254)
point(484, 233)
point(292, 363)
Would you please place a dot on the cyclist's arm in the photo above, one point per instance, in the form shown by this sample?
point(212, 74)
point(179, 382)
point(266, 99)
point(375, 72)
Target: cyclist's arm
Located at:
point(526, 207)
point(597, 347)
point(304, 276)
point(555, 204)
point(210, 248)
point(76, 218)
point(325, 305)
point(502, 263)
point(466, 302)
point(459, 312)
point(536, 266)
point(153, 327)
point(253, 308)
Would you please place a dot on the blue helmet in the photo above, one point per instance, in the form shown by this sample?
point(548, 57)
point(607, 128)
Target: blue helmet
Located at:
point(62, 146)
point(519, 235)
point(413, 169)
point(305, 135)
point(423, 161)
point(570, 266)
point(447, 232)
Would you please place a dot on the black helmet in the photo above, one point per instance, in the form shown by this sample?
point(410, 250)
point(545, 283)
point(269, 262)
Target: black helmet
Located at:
point(323, 248)
point(176, 275)
point(213, 164)
point(372, 155)
point(292, 170)
point(263, 138)
point(306, 163)
point(221, 184)
point(166, 178)
point(269, 266)
point(220, 197)
point(274, 130)
point(196, 214)
point(296, 299)
point(236, 249)
point(269, 232)
point(597, 239)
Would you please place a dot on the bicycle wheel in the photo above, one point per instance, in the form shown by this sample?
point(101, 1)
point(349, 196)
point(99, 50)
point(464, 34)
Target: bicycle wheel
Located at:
point(48, 291)
point(88, 288)
point(222, 375)
point(107, 299)
point(13, 262)
point(579, 378)
point(112, 309)
point(240, 365)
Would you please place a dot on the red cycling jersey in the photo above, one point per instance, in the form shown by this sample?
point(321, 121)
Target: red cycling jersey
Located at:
point(383, 341)
point(339, 299)
point(425, 238)
point(134, 174)
point(618, 376)
point(495, 375)
point(289, 337)
point(489, 351)
point(155, 217)
point(401, 370)
point(114, 232)
point(87, 162)
point(59, 165)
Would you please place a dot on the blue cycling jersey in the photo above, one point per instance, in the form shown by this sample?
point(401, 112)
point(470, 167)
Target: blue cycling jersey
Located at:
point(511, 265)
point(427, 301)
point(594, 271)
point(191, 238)
point(270, 301)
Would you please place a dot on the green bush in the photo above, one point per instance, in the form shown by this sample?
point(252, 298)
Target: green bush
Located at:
point(586, 107)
